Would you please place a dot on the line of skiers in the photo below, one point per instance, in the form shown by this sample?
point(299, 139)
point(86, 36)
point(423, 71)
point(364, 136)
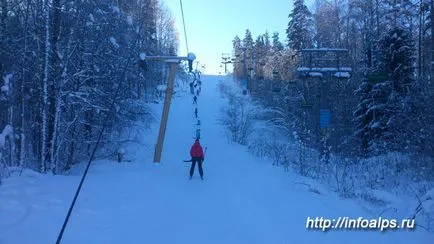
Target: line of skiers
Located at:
point(196, 151)
point(195, 85)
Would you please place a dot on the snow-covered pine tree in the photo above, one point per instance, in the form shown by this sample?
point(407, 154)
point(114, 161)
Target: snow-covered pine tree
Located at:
point(259, 44)
point(397, 58)
point(259, 53)
point(248, 40)
point(267, 43)
point(277, 44)
point(236, 45)
point(300, 26)
point(362, 117)
point(390, 102)
point(380, 111)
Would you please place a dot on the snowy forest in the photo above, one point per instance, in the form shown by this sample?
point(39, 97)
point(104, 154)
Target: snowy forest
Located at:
point(64, 64)
point(381, 132)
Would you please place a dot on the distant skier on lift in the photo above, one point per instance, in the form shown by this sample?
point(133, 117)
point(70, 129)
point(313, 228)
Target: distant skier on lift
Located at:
point(198, 133)
point(195, 112)
point(195, 100)
point(191, 88)
point(197, 155)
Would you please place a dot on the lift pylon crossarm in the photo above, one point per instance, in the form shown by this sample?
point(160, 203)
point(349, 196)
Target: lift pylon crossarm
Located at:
point(190, 57)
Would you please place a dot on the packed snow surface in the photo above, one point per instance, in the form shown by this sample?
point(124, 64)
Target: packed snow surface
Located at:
point(243, 200)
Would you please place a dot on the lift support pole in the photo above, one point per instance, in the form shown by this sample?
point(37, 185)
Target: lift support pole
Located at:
point(165, 115)
point(174, 64)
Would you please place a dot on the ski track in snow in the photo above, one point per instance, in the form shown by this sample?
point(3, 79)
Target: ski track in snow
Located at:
point(242, 199)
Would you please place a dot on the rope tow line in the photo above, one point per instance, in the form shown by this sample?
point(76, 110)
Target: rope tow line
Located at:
point(183, 23)
point(112, 106)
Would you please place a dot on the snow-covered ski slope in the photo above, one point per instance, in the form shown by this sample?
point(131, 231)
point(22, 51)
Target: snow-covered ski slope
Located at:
point(242, 199)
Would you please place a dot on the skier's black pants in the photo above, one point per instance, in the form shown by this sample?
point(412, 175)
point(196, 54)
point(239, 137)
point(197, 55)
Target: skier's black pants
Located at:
point(199, 165)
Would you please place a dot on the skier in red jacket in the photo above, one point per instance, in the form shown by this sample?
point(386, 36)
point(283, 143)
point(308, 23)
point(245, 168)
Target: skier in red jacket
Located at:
point(197, 155)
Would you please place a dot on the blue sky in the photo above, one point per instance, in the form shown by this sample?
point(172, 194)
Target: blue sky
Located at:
point(212, 25)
